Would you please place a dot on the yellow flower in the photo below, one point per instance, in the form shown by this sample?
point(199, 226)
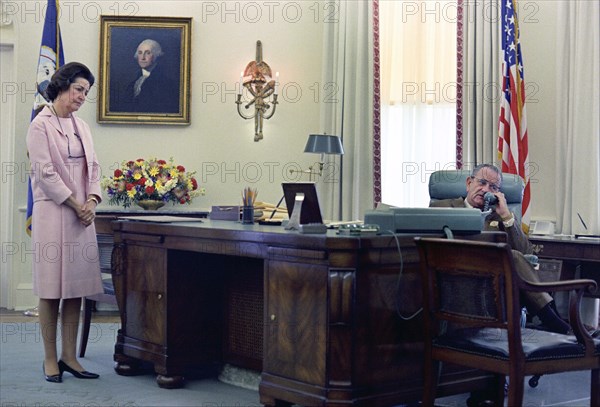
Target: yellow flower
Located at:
point(131, 193)
point(137, 175)
point(154, 171)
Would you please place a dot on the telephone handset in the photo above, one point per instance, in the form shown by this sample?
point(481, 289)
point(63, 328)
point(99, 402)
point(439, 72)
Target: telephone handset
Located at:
point(489, 199)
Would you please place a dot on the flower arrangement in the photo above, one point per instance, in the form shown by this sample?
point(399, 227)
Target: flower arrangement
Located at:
point(153, 179)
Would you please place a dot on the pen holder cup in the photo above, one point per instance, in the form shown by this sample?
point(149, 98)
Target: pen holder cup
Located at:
point(248, 214)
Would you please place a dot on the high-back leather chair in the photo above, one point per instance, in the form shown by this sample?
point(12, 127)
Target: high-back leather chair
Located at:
point(451, 184)
point(481, 327)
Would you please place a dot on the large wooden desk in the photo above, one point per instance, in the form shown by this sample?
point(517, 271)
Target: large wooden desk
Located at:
point(581, 257)
point(329, 330)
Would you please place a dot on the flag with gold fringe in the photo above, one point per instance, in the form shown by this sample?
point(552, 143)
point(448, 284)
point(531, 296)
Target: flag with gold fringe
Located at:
point(513, 150)
point(51, 57)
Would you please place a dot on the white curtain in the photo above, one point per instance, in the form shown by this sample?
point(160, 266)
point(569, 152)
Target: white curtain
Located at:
point(577, 120)
point(346, 189)
point(481, 81)
point(418, 97)
point(415, 141)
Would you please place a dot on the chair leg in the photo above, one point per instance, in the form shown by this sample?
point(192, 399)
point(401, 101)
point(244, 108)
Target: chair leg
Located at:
point(516, 388)
point(595, 388)
point(431, 375)
point(88, 305)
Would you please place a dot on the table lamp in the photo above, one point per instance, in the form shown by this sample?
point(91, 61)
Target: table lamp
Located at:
point(321, 144)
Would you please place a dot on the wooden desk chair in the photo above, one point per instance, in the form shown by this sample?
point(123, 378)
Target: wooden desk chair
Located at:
point(105, 244)
point(472, 318)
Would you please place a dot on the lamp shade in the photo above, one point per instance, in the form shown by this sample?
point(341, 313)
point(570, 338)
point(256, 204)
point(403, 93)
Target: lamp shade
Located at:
point(324, 144)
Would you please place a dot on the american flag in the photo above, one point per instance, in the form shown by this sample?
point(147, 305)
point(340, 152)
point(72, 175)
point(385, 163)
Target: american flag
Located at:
point(513, 148)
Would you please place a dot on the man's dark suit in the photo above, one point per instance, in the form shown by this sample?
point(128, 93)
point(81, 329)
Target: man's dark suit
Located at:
point(520, 245)
point(159, 94)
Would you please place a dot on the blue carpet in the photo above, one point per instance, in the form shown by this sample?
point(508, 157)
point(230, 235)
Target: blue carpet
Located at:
point(22, 382)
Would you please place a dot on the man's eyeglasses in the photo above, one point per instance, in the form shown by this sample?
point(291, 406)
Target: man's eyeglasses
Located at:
point(69, 147)
point(483, 182)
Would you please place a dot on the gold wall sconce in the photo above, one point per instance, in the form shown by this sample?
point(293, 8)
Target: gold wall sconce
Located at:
point(257, 78)
point(320, 144)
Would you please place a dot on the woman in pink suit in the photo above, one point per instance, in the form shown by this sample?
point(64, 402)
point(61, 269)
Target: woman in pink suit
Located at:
point(66, 189)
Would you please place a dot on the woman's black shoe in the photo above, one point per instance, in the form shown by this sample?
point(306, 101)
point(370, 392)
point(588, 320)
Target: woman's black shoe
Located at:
point(63, 367)
point(56, 378)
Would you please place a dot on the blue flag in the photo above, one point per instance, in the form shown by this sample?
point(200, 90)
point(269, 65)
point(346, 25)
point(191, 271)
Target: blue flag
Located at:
point(51, 57)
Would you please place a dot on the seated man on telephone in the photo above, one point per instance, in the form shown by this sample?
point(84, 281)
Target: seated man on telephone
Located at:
point(488, 178)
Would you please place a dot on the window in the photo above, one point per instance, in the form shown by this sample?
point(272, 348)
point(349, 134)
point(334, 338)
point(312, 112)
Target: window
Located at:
point(418, 96)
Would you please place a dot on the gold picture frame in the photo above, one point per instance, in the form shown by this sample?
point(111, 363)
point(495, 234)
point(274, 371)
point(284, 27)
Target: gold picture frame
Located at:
point(160, 44)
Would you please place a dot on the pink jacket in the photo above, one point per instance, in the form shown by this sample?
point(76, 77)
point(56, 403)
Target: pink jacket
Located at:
point(50, 178)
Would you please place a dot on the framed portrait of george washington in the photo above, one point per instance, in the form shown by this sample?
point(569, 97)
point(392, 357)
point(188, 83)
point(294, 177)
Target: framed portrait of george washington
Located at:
point(144, 74)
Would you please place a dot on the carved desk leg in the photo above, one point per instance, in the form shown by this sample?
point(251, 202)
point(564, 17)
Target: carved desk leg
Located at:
point(271, 402)
point(124, 365)
point(169, 382)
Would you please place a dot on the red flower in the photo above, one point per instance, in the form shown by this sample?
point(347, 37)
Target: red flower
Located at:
point(149, 190)
point(180, 168)
point(142, 181)
point(118, 173)
point(182, 200)
point(194, 184)
point(161, 162)
point(129, 187)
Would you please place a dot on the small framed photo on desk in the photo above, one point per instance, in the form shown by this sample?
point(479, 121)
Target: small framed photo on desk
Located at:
point(311, 210)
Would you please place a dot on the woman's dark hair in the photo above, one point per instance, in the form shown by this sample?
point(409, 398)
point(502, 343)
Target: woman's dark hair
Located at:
point(65, 76)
